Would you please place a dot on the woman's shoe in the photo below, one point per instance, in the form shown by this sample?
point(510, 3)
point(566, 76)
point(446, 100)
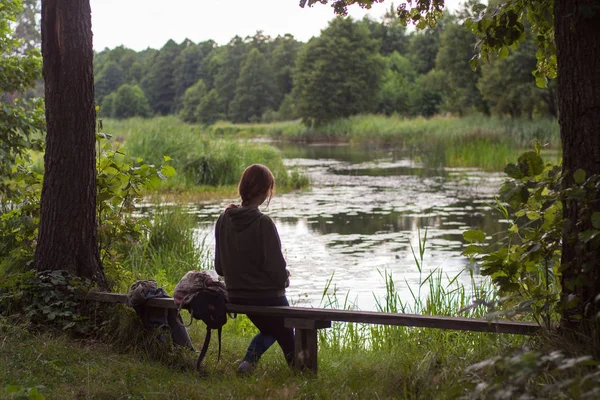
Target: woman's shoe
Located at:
point(245, 368)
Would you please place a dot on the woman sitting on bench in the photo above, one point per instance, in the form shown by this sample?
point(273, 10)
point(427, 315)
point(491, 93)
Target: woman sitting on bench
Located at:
point(248, 254)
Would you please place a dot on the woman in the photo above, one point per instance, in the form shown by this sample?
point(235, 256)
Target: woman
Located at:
point(248, 254)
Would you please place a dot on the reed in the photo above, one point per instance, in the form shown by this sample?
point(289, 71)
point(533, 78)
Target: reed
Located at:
point(475, 141)
point(169, 248)
point(401, 130)
point(484, 142)
point(201, 158)
point(436, 294)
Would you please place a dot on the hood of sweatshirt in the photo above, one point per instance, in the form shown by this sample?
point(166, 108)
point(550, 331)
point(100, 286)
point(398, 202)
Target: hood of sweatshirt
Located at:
point(242, 217)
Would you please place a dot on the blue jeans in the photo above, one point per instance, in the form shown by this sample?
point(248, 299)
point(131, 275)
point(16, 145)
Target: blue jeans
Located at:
point(271, 329)
point(258, 346)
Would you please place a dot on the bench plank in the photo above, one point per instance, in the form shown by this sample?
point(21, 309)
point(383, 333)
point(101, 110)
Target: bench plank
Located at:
point(398, 319)
point(367, 317)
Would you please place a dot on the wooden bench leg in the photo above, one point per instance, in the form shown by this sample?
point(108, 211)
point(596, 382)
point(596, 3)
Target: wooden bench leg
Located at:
point(306, 341)
point(306, 349)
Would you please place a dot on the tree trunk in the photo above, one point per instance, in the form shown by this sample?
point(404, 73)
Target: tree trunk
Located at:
point(577, 33)
point(68, 223)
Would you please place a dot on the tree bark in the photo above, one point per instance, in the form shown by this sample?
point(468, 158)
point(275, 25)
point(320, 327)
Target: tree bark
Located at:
point(577, 34)
point(68, 224)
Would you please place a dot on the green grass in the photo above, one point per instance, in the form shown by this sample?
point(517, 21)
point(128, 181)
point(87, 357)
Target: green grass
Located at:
point(128, 367)
point(169, 248)
point(476, 141)
point(436, 294)
point(223, 128)
point(200, 158)
point(410, 131)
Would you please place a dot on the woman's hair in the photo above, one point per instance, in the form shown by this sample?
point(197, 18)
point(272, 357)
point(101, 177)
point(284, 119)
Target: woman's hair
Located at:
point(257, 180)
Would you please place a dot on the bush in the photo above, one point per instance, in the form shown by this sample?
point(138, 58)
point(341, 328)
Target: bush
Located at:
point(51, 299)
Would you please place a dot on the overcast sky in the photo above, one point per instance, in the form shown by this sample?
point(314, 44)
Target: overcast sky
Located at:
point(139, 24)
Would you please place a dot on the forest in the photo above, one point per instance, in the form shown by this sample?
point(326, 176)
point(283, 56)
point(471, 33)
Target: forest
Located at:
point(352, 67)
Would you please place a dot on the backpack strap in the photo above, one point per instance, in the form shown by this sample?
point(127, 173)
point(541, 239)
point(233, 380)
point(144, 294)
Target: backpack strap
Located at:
point(219, 331)
point(186, 300)
point(205, 347)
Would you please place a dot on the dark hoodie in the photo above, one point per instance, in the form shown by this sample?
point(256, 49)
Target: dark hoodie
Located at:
point(248, 254)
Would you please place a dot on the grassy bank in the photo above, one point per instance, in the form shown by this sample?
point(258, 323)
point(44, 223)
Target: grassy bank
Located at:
point(411, 132)
point(483, 142)
point(201, 159)
point(475, 141)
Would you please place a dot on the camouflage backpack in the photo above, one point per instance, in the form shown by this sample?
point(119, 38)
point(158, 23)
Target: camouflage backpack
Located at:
point(205, 297)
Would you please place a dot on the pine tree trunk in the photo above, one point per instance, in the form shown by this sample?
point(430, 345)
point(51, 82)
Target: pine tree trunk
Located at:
point(577, 33)
point(68, 224)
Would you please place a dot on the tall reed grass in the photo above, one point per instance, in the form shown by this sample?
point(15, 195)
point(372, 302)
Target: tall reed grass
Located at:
point(199, 157)
point(436, 294)
point(476, 141)
point(401, 130)
point(170, 247)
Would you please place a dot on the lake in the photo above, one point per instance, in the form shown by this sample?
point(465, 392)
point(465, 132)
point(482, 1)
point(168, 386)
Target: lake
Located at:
point(365, 209)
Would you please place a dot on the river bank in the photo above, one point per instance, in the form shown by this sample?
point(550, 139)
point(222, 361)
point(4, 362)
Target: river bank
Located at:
point(483, 142)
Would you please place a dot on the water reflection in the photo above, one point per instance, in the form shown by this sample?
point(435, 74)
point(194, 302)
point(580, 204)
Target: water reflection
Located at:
point(364, 212)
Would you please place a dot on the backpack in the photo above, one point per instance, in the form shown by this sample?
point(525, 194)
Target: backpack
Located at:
point(205, 297)
point(157, 318)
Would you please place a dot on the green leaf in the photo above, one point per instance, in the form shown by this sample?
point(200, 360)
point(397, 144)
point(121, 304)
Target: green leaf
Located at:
point(515, 195)
point(503, 53)
point(153, 182)
point(471, 249)
point(513, 171)
point(531, 164)
point(579, 176)
point(167, 158)
point(34, 394)
point(168, 171)
point(588, 235)
point(474, 236)
point(12, 389)
point(473, 62)
point(103, 135)
point(596, 220)
point(533, 215)
point(549, 217)
point(540, 79)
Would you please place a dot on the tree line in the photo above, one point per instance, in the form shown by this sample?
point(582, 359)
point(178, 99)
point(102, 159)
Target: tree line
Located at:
point(352, 67)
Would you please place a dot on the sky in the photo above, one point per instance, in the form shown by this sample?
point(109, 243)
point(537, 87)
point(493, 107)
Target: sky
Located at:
point(139, 24)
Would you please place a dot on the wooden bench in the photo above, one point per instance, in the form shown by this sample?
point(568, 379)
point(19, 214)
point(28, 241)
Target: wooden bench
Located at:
point(307, 321)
